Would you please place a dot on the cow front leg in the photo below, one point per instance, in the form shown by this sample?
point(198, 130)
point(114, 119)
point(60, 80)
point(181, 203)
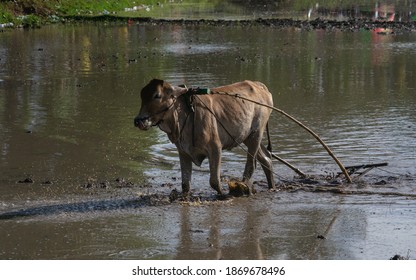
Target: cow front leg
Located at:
point(186, 172)
point(214, 169)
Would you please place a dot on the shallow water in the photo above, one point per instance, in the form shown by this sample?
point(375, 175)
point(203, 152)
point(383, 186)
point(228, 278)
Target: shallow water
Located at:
point(68, 96)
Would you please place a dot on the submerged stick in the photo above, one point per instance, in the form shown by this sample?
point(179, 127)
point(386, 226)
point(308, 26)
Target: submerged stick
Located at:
point(289, 165)
point(367, 168)
point(356, 167)
point(341, 166)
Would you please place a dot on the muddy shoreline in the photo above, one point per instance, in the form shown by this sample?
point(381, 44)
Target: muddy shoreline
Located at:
point(356, 24)
point(122, 194)
point(172, 227)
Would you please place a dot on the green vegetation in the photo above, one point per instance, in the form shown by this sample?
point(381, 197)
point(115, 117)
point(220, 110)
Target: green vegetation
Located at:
point(90, 7)
point(33, 13)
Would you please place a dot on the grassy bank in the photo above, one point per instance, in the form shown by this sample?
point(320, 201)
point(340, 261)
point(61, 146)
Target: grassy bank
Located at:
point(33, 13)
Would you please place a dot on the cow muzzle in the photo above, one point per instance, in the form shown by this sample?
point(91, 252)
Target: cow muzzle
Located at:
point(143, 123)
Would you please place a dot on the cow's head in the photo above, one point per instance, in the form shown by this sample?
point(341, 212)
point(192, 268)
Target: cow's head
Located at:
point(158, 97)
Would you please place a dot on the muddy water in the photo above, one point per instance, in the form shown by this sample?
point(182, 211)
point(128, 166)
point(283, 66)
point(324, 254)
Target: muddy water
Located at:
point(99, 187)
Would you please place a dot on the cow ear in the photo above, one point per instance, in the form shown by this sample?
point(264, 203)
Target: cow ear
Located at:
point(179, 90)
point(167, 89)
point(173, 91)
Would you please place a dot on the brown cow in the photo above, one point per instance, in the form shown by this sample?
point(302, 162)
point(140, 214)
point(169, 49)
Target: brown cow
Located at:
point(203, 125)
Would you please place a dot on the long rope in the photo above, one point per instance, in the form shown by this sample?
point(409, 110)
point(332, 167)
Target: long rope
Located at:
point(341, 166)
point(232, 137)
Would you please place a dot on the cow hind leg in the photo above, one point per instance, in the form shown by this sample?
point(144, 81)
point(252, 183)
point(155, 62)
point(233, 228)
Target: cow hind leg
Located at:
point(264, 157)
point(253, 145)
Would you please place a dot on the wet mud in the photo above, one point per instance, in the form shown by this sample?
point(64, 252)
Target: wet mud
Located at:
point(148, 195)
point(361, 208)
point(281, 223)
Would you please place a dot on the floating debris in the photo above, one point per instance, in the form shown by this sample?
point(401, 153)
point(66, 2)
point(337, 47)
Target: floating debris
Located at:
point(47, 182)
point(117, 183)
point(398, 257)
point(123, 183)
point(28, 180)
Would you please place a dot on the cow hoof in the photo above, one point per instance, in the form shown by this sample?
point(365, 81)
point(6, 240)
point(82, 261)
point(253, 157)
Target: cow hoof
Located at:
point(174, 195)
point(185, 189)
point(273, 189)
point(186, 195)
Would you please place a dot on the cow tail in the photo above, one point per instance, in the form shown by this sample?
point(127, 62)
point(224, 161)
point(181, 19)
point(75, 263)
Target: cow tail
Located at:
point(269, 144)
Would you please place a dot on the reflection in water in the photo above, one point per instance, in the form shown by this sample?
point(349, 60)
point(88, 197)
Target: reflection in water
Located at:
point(277, 226)
point(226, 234)
point(76, 89)
point(85, 55)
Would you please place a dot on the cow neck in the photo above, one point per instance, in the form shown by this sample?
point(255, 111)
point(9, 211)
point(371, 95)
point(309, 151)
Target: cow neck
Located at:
point(174, 119)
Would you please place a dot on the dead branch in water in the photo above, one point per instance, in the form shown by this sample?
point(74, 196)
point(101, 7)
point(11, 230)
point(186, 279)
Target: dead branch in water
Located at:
point(341, 166)
point(289, 165)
